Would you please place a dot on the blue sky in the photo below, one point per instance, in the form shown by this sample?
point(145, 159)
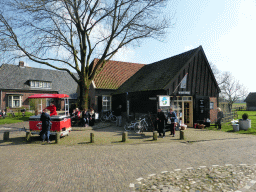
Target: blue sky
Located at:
point(225, 28)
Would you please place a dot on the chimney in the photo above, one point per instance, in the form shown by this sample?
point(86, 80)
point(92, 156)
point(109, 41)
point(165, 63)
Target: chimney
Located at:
point(21, 64)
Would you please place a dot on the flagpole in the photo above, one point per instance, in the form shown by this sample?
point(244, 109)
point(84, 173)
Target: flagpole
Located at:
point(179, 83)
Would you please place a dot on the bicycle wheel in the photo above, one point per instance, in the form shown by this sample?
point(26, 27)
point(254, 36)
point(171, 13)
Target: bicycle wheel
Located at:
point(103, 118)
point(113, 118)
point(127, 127)
point(144, 126)
point(136, 128)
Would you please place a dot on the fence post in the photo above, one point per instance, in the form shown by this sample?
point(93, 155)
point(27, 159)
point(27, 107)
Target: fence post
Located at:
point(57, 137)
point(28, 136)
point(182, 137)
point(124, 136)
point(6, 136)
point(154, 135)
point(92, 137)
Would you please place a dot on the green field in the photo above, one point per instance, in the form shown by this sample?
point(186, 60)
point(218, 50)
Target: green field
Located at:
point(17, 119)
point(227, 127)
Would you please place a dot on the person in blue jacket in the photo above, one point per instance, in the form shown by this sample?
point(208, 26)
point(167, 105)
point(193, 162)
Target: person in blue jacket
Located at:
point(173, 117)
point(46, 125)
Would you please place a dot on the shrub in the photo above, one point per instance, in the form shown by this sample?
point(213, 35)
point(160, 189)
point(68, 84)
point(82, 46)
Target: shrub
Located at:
point(245, 116)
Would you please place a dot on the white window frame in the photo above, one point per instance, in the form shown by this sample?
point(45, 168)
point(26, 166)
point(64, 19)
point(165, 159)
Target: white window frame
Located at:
point(10, 99)
point(40, 84)
point(108, 102)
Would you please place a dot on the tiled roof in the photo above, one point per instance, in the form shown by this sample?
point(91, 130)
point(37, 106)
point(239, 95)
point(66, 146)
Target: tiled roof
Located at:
point(251, 97)
point(115, 73)
point(157, 75)
point(15, 77)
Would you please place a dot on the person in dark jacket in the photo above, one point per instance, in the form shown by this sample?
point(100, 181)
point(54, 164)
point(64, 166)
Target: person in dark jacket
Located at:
point(46, 125)
point(160, 122)
point(173, 117)
point(219, 117)
point(85, 117)
point(91, 117)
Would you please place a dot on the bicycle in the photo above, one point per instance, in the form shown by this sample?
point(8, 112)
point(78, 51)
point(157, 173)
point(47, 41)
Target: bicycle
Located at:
point(132, 125)
point(143, 125)
point(138, 126)
point(108, 117)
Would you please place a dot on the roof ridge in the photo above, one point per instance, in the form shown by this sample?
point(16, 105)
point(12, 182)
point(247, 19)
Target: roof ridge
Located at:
point(176, 55)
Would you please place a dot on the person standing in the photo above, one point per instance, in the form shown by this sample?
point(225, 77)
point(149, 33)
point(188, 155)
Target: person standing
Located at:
point(219, 117)
point(52, 109)
point(91, 117)
point(172, 116)
point(160, 122)
point(46, 125)
point(118, 113)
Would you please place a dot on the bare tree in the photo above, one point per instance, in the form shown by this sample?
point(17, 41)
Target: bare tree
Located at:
point(231, 89)
point(67, 34)
point(221, 77)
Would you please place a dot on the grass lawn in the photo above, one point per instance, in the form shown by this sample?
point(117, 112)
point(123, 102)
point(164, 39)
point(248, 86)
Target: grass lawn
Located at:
point(227, 127)
point(16, 119)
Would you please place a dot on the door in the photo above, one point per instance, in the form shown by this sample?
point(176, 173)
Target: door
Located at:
point(188, 114)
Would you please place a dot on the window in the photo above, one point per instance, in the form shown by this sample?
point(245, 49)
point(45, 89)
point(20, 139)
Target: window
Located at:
point(211, 105)
point(32, 83)
point(106, 103)
point(40, 84)
point(14, 101)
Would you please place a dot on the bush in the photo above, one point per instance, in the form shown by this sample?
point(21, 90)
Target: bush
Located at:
point(245, 116)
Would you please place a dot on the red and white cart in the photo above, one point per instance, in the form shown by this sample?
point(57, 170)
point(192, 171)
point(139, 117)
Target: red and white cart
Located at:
point(60, 123)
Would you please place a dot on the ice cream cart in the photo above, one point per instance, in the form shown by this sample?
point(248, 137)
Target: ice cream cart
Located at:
point(60, 123)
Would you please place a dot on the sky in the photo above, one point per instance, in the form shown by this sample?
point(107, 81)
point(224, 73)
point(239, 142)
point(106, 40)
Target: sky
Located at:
point(225, 28)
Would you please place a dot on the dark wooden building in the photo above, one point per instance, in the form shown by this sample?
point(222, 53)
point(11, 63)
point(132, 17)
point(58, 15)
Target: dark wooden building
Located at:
point(251, 101)
point(105, 83)
point(194, 101)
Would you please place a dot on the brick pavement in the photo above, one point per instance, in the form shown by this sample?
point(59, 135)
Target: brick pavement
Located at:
point(39, 167)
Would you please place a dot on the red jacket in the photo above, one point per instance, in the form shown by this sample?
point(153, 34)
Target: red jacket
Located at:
point(52, 109)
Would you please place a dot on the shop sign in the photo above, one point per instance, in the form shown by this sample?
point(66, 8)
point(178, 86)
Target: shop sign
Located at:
point(184, 92)
point(164, 101)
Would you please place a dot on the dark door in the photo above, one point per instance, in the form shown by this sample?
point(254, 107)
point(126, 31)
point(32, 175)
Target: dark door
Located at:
point(201, 109)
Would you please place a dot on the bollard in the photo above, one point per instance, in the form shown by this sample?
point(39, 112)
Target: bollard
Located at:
point(154, 135)
point(57, 137)
point(92, 137)
point(6, 136)
point(182, 137)
point(28, 136)
point(124, 136)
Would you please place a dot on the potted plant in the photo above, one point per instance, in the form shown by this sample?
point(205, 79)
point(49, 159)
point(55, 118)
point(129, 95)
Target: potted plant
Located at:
point(245, 123)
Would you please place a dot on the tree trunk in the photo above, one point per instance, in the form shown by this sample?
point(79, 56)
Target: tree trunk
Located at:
point(83, 97)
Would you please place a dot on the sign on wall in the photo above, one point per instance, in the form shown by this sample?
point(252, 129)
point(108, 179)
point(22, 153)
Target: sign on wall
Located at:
point(164, 101)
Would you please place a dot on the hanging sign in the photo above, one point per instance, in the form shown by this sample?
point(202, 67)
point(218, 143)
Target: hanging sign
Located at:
point(164, 101)
point(184, 92)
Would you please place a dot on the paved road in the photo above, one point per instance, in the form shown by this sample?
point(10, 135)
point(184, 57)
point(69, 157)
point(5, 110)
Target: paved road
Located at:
point(111, 167)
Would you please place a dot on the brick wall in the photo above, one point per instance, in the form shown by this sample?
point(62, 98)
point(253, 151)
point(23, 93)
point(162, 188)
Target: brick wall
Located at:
point(213, 112)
